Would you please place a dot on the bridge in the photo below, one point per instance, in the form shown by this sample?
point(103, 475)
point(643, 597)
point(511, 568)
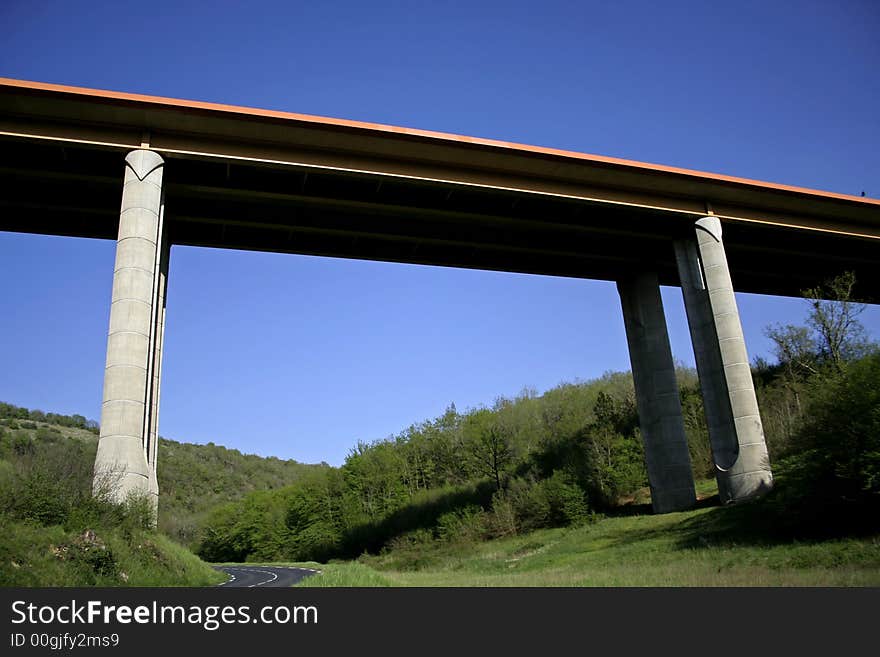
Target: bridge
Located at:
point(150, 172)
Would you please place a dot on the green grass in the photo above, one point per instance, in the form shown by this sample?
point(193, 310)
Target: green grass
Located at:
point(33, 555)
point(677, 549)
point(348, 573)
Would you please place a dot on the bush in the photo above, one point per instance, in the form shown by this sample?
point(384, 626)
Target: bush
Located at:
point(89, 554)
point(697, 432)
point(567, 502)
point(503, 520)
point(530, 505)
point(48, 435)
point(464, 525)
point(39, 496)
point(22, 445)
point(50, 483)
point(843, 431)
point(527, 504)
point(830, 482)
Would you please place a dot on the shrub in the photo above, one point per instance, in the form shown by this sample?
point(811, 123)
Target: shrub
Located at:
point(567, 502)
point(529, 504)
point(843, 431)
point(89, 554)
point(615, 465)
point(48, 434)
point(830, 482)
point(503, 519)
point(22, 445)
point(464, 525)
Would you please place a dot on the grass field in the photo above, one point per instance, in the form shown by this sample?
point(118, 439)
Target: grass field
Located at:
point(694, 548)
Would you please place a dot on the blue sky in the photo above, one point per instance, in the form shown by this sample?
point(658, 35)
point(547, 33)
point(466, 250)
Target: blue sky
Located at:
point(300, 357)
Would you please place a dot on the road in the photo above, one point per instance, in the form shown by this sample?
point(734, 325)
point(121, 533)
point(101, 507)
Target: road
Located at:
point(251, 576)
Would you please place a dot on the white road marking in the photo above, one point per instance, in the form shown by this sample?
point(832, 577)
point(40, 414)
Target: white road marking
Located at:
point(274, 575)
point(265, 572)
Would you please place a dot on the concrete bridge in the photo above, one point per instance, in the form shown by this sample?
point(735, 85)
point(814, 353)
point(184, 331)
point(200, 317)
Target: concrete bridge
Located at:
point(213, 175)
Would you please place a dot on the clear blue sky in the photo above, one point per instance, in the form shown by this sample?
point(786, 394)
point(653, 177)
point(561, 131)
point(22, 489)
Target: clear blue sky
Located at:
point(313, 354)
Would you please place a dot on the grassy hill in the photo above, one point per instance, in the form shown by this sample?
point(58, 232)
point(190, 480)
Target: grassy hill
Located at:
point(100, 555)
point(56, 534)
point(193, 479)
point(707, 546)
point(678, 549)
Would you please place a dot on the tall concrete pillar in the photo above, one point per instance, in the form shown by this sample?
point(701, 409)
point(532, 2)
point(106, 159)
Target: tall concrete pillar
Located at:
point(126, 460)
point(657, 397)
point(735, 431)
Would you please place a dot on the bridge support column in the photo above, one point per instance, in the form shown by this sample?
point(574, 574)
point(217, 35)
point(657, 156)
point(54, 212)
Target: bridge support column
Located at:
point(125, 464)
point(657, 397)
point(742, 465)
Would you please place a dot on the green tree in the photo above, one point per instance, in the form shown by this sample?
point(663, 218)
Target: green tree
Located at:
point(834, 319)
point(375, 474)
point(488, 446)
point(842, 434)
point(833, 333)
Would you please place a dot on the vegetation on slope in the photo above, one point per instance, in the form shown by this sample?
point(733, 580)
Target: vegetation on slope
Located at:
point(574, 454)
point(193, 479)
point(403, 494)
point(35, 555)
point(57, 533)
point(703, 547)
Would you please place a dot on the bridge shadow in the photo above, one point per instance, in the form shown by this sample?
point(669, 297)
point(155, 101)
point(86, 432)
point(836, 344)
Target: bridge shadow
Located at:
point(645, 508)
point(769, 521)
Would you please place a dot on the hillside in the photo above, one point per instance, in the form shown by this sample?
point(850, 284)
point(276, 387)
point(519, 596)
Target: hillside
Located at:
point(114, 550)
point(572, 458)
point(703, 547)
point(193, 479)
point(57, 533)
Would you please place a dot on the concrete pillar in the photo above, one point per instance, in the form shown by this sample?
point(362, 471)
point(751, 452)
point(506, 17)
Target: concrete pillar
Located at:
point(657, 397)
point(126, 459)
point(735, 430)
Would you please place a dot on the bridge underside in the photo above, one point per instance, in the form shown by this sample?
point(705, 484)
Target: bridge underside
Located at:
point(69, 189)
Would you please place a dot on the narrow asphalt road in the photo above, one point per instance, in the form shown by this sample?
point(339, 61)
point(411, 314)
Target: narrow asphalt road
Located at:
point(250, 576)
